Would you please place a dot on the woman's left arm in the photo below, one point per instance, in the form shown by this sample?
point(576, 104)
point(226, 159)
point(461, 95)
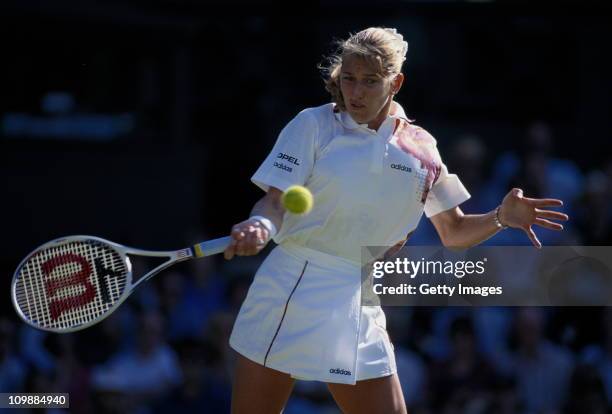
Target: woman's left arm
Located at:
point(466, 230)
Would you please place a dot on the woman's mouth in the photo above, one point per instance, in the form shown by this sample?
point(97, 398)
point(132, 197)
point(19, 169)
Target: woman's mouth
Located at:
point(356, 106)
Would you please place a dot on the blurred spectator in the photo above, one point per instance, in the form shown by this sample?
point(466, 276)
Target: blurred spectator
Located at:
point(492, 326)
point(146, 296)
point(541, 368)
point(467, 158)
point(188, 300)
point(536, 170)
point(33, 351)
point(607, 169)
point(504, 397)
point(437, 344)
point(145, 373)
point(70, 375)
point(216, 335)
point(114, 333)
point(411, 366)
point(40, 382)
point(172, 294)
point(567, 323)
point(112, 402)
point(462, 379)
point(12, 370)
point(206, 366)
point(594, 212)
point(605, 366)
point(600, 355)
point(586, 393)
point(199, 391)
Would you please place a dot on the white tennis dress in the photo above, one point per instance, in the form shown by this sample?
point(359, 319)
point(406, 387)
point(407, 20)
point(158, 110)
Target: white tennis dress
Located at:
point(303, 314)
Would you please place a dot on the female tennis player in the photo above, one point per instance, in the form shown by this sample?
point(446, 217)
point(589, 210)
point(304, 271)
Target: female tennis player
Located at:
point(372, 173)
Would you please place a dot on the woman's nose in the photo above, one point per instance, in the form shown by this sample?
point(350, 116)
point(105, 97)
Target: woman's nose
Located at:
point(359, 91)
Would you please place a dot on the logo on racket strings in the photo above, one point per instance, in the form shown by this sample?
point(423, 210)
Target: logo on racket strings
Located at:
point(81, 278)
point(54, 284)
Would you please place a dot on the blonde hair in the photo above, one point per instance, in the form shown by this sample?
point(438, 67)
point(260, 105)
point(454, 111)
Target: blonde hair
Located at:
point(384, 48)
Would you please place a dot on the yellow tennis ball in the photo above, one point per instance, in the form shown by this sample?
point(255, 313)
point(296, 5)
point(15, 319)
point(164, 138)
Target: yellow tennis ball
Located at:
point(297, 199)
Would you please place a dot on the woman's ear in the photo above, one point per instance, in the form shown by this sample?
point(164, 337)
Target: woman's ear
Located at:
point(397, 83)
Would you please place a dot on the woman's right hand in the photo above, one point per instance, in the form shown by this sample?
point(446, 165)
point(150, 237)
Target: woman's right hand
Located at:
point(251, 236)
point(248, 238)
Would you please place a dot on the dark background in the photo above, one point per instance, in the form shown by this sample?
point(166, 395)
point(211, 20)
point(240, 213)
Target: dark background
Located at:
point(172, 105)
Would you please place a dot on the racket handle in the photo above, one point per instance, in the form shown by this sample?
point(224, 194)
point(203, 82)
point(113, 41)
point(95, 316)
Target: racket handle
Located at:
point(211, 247)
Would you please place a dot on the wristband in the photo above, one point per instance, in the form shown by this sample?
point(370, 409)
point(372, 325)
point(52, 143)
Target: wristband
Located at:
point(498, 222)
point(267, 223)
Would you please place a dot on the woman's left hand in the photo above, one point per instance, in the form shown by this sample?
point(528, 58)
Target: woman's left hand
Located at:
point(521, 213)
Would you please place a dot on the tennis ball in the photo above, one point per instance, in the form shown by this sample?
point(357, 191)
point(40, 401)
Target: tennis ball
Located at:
point(297, 199)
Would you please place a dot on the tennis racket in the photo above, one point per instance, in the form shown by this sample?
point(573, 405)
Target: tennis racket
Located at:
point(74, 282)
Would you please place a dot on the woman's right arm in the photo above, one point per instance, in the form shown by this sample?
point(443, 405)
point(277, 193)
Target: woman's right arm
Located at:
point(251, 236)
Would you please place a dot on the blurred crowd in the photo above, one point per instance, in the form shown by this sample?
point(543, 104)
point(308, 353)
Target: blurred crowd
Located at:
point(166, 349)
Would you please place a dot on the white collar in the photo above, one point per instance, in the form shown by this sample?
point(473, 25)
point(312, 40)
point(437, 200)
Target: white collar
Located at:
point(348, 122)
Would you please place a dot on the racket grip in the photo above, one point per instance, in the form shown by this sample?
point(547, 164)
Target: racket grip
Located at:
point(211, 247)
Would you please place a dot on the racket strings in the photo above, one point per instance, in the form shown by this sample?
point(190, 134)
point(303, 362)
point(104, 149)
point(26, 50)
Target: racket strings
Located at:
point(61, 286)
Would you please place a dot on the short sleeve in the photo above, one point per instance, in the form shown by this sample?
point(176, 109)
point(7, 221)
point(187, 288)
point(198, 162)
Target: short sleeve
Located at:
point(446, 193)
point(291, 160)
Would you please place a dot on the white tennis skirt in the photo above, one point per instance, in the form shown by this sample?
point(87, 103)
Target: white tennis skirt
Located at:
point(303, 316)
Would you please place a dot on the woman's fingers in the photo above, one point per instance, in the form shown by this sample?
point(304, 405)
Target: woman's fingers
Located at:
point(525, 211)
point(261, 235)
point(548, 224)
point(247, 239)
point(544, 202)
point(251, 241)
point(230, 251)
point(553, 215)
point(517, 192)
point(237, 235)
point(244, 245)
point(534, 239)
point(237, 232)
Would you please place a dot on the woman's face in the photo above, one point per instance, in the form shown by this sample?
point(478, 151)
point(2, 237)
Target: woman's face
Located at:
point(367, 95)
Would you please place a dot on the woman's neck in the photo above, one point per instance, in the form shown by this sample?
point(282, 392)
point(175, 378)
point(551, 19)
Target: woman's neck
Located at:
point(386, 110)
